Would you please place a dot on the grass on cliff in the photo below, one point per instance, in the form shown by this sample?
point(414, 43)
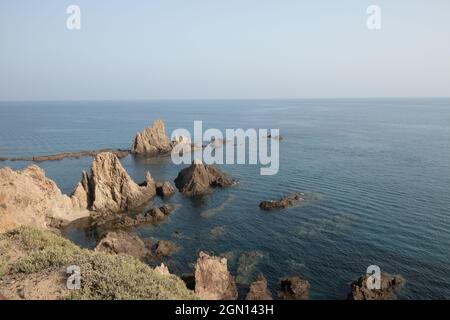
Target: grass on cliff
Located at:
point(103, 276)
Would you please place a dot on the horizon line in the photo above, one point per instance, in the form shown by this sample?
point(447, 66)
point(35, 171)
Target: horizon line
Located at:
point(222, 99)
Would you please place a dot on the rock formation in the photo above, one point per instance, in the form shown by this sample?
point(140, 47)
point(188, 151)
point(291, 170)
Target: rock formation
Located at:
point(162, 270)
point(164, 189)
point(163, 248)
point(152, 140)
point(285, 202)
point(117, 242)
point(294, 288)
point(389, 286)
point(258, 290)
point(213, 281)
point(28, 197)
point(109, 188)
point(198, 178)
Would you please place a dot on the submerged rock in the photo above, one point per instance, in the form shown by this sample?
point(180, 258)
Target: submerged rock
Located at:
point(213, 281)
point(164, 189)
point(294, 288)
point(164, 248)
point(28, 197)
point(258, 290)
point(120, 242)
point(110, 189)
point(198, 179)
point(247, 266)
point(152, 140)
point(389, 287)
point(285, 202)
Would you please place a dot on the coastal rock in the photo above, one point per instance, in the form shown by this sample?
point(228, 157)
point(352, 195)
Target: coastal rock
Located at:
point(258, 290)
point(164, 189)
point(28, 197)
point(152, 140)
point(164, 248)
point(213, 281)
point(294, 288)
point(162, 270)
point(389, 287)
point(285, 202)
point(120, 242)
point(110, 189)
point(198, 179)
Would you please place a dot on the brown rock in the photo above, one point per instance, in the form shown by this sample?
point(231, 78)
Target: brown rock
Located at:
point(197, 179)
point(110, 189)
point(213, 281)
point(389, 287)
point(164, 189)
point(152, 140)
point(164, 248)
point(120, 242)
point(28, 197)
point(294, 288)
point(258, 290)
point(285, 202)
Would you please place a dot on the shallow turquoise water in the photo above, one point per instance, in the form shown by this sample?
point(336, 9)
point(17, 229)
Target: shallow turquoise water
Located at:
point(379, 171)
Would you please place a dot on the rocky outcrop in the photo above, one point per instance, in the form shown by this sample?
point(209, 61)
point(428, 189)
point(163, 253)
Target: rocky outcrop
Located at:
point(152, 140)
point(258, 290)
point(389, 287)
point(28, 197)
point(65, 155)
point(198, 179)
point(163, 248)
point(294, 288)
point(164, 189)
point(120, 242)
point(109, 188)
point(285, 202)
point(162, 270)
point(213, 281)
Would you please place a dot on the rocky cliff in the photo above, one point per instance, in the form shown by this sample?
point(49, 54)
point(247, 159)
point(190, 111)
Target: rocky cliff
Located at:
point(109, 188)
point(213, 281)
point(28, 197)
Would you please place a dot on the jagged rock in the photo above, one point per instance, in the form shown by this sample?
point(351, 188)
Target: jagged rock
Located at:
point(285, 202)
point(213, 281)
point(198, 178)
point(258, 290)
point(117, 242)
point(294, 288)
point(164, 189)
point(163, 270)
point(389, 287)
point(152, 140)
point(164, 248)
point(28, 197)
point(109, 188)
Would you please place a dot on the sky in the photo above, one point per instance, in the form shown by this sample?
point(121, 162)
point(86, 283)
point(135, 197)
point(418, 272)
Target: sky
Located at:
point(223, 49)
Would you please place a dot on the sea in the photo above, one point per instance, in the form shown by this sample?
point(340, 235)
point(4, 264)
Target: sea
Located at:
point(377, 172)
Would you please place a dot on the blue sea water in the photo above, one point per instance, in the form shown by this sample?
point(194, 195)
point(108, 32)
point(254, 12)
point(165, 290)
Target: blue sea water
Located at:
point(379, 171)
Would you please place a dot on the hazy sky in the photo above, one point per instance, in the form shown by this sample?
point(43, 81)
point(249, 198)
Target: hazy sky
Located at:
point(129, 49)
